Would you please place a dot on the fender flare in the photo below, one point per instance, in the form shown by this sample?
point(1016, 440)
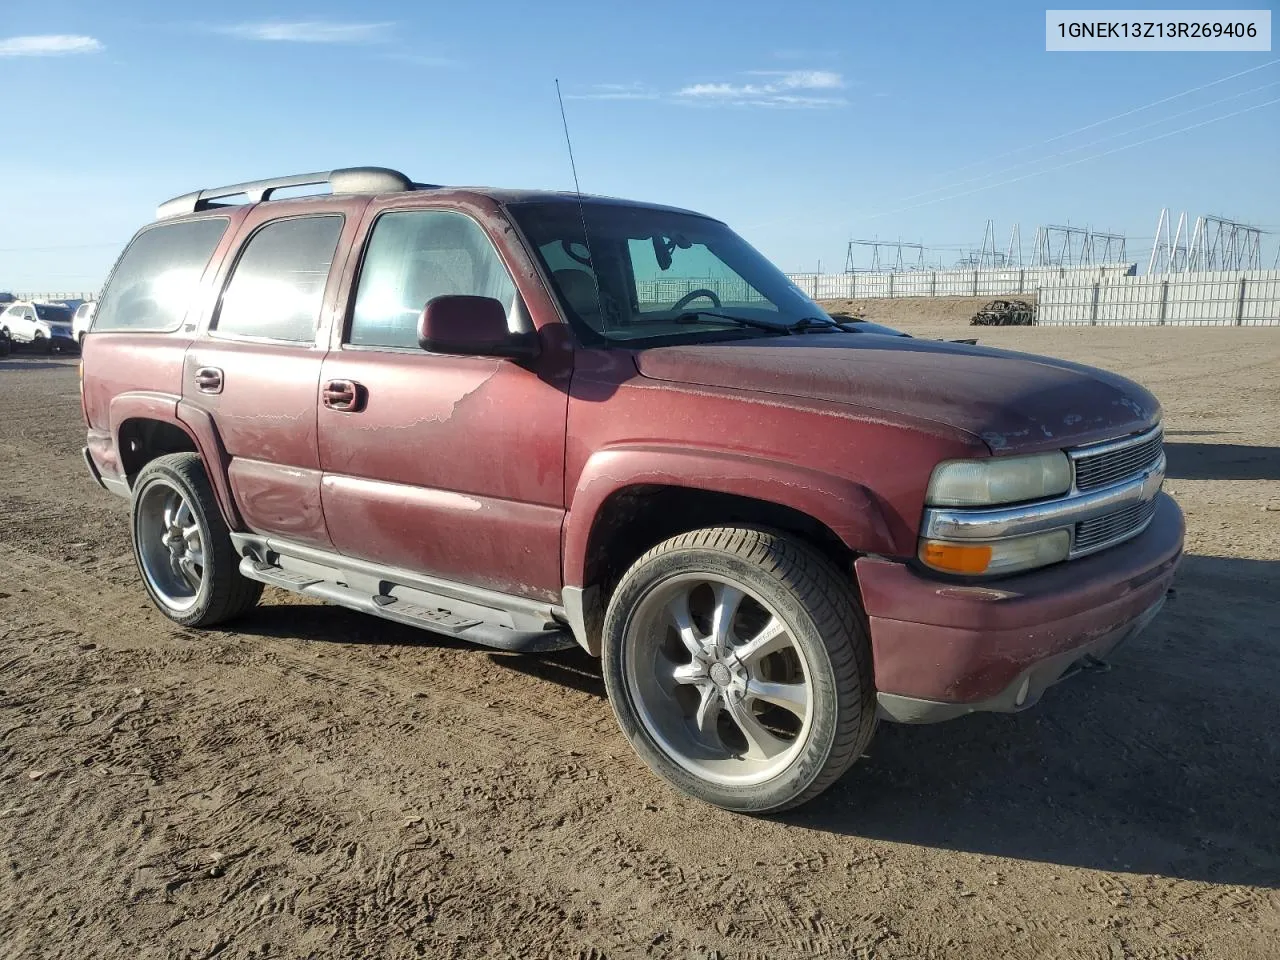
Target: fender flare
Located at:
point(192, 421)
point(849, 509)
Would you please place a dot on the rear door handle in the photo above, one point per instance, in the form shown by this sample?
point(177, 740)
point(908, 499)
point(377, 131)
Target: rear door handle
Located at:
point(345, 396)
point(209, 380)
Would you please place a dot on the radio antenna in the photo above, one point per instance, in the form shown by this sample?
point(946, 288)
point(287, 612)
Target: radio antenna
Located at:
point(582, 213)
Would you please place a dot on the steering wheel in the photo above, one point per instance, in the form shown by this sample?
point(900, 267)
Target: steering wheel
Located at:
point(582, 258)
point(693, 295)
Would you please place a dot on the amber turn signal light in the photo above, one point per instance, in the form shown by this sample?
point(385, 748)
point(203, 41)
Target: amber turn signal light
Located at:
point(956, 557)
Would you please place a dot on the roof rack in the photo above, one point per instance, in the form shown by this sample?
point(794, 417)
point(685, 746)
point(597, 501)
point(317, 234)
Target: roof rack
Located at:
point(344, 180)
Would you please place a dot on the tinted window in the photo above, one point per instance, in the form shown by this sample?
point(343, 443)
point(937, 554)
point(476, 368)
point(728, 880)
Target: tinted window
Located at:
point(277, 287)
point(53, 314)
point(157, 276)
point(413, 257)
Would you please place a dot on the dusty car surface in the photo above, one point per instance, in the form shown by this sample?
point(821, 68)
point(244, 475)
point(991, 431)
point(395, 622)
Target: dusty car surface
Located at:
point(531, 420)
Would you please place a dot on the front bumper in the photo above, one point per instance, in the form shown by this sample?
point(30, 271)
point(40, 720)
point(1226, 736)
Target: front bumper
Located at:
point(942, 650)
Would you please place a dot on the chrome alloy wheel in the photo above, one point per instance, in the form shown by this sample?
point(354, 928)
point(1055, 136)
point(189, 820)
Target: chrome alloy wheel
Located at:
point(717, 679)
point(170, 545)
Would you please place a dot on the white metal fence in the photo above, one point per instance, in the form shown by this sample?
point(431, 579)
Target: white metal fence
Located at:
point(949, 283)
point(1240, 298)
point(1103, 295)
point(54, 297)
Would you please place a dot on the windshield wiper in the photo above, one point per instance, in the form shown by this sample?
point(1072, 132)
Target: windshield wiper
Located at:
point(696, 316)
point(816, 323)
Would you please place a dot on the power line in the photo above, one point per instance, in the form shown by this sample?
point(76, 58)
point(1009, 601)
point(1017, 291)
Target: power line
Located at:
point(1072, 163)
point(1093, 143)
point(1118, 116)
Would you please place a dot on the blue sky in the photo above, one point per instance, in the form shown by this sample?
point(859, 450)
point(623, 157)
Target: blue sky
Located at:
point(801, 124)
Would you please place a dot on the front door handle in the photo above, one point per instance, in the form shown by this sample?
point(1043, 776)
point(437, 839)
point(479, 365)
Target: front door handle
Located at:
point(345, 396)
point(209, 380)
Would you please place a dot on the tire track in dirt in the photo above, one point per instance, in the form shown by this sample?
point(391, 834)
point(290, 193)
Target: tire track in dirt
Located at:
point(489, 737)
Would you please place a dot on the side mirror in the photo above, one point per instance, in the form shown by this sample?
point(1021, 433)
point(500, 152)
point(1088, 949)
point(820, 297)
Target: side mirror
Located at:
point(472, 325)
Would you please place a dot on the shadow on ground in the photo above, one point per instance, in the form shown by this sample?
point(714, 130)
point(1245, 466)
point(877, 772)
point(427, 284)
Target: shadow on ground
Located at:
point(1221, 461)
point(1167, 764)
point(326, 624)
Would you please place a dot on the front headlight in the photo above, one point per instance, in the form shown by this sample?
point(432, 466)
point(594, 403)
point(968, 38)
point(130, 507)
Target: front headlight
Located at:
point(992, 557)
point(985, 483)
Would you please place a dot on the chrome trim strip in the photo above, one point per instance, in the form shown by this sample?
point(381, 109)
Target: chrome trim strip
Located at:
point(1121, 538)
point(1076, 454)
point(1111, 446)
point(1003, 522)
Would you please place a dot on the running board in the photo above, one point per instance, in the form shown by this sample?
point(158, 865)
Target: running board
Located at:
point(466, 621)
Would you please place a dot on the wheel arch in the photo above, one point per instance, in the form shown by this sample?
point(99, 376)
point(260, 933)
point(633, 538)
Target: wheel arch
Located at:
point(145, 426)
point(627, 500)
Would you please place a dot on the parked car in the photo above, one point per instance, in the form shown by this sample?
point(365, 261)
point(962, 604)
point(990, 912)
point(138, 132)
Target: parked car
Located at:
point(82, 319)
point(44, 326)
point(477, 411)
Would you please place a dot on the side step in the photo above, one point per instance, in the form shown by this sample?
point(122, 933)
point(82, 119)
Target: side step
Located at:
point(437, 618)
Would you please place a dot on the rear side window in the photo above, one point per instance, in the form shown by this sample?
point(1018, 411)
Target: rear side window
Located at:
point(413, 257)
point(157, 276)
point(277, 287)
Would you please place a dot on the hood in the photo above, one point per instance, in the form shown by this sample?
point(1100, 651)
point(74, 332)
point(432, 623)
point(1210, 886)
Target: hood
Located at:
point(1013, 401)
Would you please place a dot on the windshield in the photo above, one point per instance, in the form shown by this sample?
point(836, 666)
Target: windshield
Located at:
point(657, 274)
point(53, 314)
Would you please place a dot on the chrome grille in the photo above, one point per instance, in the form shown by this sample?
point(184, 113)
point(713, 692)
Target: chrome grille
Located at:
point(1117, 461)
point(1099, 532)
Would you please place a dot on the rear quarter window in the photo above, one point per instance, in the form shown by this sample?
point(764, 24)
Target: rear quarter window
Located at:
point(157, 276)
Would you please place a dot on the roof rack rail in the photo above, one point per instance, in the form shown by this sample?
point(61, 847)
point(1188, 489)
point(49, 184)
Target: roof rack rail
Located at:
point(344, 180)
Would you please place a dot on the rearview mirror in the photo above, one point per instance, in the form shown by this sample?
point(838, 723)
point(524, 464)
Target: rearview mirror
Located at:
point(475, 326)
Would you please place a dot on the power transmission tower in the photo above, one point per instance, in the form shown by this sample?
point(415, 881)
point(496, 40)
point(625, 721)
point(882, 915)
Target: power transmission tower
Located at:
point(1169, 252)
point(1058, 246)
point(1222, 244)
point(896, 246)
point(1015, 248)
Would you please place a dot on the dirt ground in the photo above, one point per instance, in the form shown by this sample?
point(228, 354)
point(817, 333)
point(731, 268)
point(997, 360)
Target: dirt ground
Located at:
point(317, 783)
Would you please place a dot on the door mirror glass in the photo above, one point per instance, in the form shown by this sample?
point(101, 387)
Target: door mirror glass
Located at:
point(462, 324)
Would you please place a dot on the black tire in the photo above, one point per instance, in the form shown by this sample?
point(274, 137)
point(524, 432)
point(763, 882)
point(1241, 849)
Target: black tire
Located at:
point(824, 617)
point(41, 343)
point(223, 593)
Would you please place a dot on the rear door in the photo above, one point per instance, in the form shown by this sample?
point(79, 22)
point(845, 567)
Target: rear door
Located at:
point(256, 366)
point(447, 465)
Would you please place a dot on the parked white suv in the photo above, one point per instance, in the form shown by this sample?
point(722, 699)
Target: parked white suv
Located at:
point(45, 326)
point(82, 320)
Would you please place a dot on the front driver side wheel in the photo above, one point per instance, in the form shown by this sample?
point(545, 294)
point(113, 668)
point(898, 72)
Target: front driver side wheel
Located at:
point(182, 545)
point(738, 665)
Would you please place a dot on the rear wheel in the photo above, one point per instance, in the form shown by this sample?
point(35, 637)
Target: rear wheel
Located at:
point(183, 547)
point(41, 343)
point(738, 665)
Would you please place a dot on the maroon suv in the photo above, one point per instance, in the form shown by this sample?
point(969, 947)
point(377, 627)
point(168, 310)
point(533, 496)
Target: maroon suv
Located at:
point(533, 419)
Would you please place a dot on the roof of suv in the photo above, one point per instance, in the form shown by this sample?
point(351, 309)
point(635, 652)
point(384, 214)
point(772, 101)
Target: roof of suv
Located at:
point(371, 181)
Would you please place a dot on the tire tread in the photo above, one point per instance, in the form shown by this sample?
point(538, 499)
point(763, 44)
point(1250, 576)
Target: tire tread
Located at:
point(832, 601)
point(230, 594)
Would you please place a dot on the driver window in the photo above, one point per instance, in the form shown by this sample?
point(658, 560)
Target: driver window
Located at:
point(414, 256)
point(667, 269)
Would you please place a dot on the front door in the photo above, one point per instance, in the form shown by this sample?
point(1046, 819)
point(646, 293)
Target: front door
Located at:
point(256, 370)
point(452, 466)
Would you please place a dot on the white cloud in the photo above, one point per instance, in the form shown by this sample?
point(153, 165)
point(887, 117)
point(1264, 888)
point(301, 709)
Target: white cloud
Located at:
point(311, 31)
point(803, 79)
point(784, 88)
point(48, 45)
point(615, 91)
